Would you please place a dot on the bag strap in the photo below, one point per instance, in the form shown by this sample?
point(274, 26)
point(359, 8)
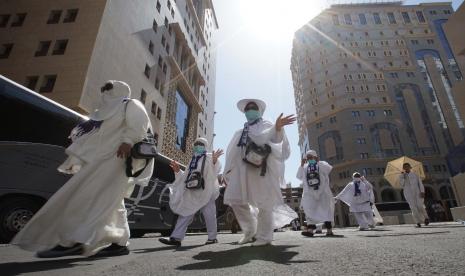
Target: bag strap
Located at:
point(264, 164)
point(129, 172)
point(201, 171)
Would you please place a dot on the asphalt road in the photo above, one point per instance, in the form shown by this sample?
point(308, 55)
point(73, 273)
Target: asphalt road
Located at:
point(438, 249)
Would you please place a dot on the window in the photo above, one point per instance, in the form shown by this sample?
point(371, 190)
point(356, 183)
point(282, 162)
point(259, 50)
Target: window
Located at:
point(371, 113)
point(42, 50)
point(361, 141)
point(432, 12)
point(166, 22)
point(157, 83)
point(160, 61)
point(165, 68)
point(182, 122)
point(384, 100)
point(163, 40)
point(347, 19)
point(31, 82)
point(447, 12)
point(355, 114)
point(60, 47)
point(358, 127)
point(151, 47)
point(376, 18)
point(352, 101)
point(143, 96)
point(4, 18)
point(420, 16)
point(367, 100)
point(71, 15)
point(48, 83)
point(54, 17)
point(5, 50)
point(406, 18)
point(154, 25)
point(159, 113)
point(414, 42)
point(364, 155)
point(362, 18)
point(430, 41)
point(19, 20)
point(158, 6)
point(335, 19)
point(153, 108)
point(394, 75)
point(147, 71)
point(387, 112)
point(391, 18)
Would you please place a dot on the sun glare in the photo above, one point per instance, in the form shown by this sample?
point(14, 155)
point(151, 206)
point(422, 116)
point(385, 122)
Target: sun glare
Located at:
point(276, 19)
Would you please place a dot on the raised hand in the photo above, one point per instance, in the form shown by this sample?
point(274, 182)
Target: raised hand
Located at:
point(175, 166)
point(216, 154)
point(284, 121)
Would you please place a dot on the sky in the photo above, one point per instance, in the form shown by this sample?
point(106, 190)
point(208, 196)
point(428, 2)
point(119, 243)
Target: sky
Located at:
point(254, 44)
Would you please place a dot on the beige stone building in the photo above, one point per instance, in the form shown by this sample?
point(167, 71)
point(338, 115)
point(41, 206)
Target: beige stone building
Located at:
point(164, 49)
point(373, 82)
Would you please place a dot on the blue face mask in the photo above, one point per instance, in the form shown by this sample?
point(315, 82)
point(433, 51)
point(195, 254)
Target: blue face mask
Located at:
point(252, 115)
point(199, 149)
point(312, 161)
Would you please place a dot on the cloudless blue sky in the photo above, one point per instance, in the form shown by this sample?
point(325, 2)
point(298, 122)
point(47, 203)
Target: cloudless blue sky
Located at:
point(253, 61)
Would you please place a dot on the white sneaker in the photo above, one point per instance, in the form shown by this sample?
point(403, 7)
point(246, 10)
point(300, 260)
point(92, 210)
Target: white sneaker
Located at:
point(246, 239)
point(261, 243)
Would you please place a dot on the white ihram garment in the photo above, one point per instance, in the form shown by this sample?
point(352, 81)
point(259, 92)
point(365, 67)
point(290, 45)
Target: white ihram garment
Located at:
point(89, 208)
point(413, 186)
point(359, 205)
point(186, 202)
point(256, 200)
point(318, 204)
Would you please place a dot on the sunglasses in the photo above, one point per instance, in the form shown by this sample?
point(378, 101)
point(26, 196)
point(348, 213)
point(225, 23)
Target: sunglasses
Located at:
point(106, 87)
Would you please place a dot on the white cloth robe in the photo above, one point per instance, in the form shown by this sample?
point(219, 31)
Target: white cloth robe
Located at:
point(186, 202)
point(89, 208)
point(318, 204)
point(360, 203)
point(413, 186)
point(245, 186)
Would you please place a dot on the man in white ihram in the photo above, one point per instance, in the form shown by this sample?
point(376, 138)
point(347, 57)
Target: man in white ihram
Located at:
point(254, 173)
point(317, 198)
point(414, 193)
point(88, 214)
point(195, 189)
point(358, 195)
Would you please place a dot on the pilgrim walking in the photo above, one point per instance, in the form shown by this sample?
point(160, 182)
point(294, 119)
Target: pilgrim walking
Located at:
point(254, 172)
point(358, 195)
point(414, 193)
point(88, 214)
point(195, 189)
point(317, 198)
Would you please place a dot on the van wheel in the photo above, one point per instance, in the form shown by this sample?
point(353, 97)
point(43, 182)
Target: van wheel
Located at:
point(14, 214)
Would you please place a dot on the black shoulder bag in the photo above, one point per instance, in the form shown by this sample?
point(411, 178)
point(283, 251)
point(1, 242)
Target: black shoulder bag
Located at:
point(144, 149)
point(195, 180)
point(257, 156)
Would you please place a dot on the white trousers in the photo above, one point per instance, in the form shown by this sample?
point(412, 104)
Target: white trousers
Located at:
point(419, 213)
point(260, 225)
point(209, 214)
point(364, 219)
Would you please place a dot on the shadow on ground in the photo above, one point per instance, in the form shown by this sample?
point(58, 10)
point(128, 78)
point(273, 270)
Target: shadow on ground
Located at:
point(244, 255)
point(405, 234)
point(18, 268)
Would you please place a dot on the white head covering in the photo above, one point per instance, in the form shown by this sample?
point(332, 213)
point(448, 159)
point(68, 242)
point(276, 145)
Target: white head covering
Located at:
point(312, 153)
point(111, 100)
point(202, 140)
point(243, 103)
point(353, 175)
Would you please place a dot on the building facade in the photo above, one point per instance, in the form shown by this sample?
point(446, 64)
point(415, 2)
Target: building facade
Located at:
point(373, 82)
point(164, 49)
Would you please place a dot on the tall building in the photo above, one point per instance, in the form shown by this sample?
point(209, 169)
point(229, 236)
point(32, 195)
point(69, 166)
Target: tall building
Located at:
point(373, 82)
point(164, 49)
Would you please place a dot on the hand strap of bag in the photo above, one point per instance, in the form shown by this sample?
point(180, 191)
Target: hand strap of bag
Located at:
point(129, 172)
point(202, 180)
